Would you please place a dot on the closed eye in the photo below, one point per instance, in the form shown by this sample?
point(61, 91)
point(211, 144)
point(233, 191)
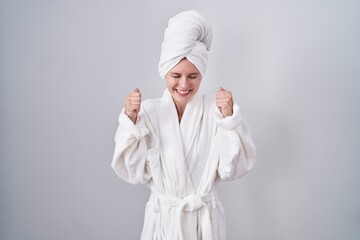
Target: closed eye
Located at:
point(193, 76)
point(174, 75)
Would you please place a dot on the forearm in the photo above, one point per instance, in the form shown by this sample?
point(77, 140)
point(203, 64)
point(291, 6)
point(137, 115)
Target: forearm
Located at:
point(130, 155)
point(236, 148)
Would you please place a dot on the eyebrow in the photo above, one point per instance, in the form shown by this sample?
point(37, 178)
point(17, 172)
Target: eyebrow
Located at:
point(176, 73)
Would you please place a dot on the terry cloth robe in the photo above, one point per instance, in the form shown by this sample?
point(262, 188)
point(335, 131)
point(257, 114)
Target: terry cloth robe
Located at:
point(181, 163)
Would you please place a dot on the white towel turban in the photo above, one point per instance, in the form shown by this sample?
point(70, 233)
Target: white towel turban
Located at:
point(189, 36)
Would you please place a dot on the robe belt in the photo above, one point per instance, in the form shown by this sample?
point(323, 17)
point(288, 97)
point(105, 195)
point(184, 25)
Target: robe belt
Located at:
point(190, 203)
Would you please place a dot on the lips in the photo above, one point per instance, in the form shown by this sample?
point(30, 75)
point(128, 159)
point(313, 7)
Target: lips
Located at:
point(183, 93)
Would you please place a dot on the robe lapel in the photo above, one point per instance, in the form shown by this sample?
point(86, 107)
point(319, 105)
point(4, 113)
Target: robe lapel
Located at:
point(177, 181)
point(190, 123)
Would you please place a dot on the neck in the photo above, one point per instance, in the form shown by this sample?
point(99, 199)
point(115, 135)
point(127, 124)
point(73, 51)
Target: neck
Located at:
point(180, 111)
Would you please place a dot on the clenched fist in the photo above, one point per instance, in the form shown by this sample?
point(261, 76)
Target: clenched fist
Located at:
point(224, 102)
point(132, 104)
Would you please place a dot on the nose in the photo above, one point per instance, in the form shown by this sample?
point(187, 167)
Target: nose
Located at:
point(183, 83)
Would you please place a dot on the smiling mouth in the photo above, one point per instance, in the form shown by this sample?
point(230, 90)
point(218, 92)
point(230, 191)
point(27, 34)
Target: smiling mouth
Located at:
point(183, 93)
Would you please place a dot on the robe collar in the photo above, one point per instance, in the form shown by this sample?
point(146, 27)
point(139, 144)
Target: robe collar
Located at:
point(176, 142)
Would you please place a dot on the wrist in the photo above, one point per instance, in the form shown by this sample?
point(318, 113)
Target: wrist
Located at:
point(132, 116)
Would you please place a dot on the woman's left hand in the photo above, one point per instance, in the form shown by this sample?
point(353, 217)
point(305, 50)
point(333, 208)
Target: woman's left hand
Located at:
point(224, 102)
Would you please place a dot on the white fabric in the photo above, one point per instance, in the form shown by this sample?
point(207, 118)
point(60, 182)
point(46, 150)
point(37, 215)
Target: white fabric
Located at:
point(187, 35)
point(190, 204)
point(181, 163)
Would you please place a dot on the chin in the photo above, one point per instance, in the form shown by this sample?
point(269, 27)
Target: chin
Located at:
point(183, 97)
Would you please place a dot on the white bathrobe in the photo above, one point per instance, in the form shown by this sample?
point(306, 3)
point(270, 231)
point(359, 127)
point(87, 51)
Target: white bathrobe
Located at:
point(181, 163)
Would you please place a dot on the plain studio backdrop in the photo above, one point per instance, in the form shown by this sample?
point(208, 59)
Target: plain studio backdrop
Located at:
point(66, 67)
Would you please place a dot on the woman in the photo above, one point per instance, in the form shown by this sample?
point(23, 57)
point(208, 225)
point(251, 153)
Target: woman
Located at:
point(180, 145)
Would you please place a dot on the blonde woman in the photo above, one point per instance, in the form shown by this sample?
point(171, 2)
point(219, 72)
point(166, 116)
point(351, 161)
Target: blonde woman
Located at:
point(181, 144)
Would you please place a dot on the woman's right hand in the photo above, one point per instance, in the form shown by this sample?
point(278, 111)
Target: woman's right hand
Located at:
point(132, 104)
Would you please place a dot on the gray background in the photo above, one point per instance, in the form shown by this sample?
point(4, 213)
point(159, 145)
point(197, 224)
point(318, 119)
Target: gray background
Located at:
point(66, 66)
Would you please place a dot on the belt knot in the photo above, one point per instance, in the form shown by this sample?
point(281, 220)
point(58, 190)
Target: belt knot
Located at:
point(192, 203)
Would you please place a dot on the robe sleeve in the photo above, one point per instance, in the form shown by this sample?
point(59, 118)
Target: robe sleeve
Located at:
point(236, 148)
point(131, 147)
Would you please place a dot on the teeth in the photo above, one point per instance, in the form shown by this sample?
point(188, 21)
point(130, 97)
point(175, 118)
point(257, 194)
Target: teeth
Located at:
point(183, 92)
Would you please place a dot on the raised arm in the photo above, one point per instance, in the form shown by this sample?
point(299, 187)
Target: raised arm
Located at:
point(235, 145)
point(132, 142)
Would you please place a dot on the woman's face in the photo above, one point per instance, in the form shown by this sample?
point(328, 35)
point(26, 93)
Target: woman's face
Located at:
point(183, 81)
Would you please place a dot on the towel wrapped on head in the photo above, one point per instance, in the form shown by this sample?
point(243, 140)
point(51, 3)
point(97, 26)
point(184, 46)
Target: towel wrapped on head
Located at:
point(188, 36)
